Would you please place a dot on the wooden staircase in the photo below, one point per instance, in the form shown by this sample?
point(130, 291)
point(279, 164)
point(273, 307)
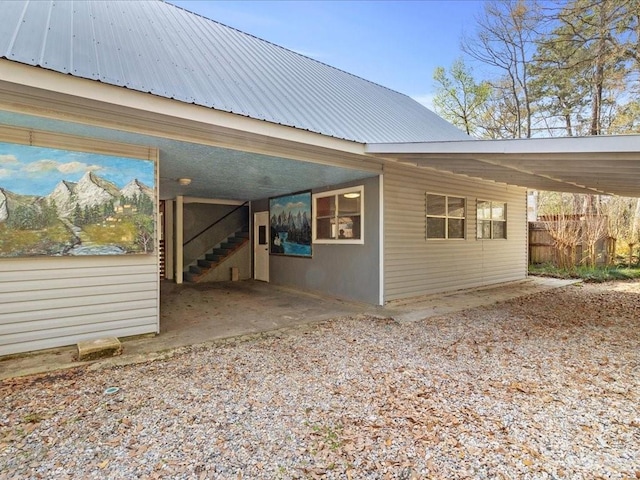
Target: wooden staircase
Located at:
point(216, 256)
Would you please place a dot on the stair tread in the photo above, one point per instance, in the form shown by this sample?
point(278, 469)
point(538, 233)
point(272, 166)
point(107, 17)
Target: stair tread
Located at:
point(216, 256)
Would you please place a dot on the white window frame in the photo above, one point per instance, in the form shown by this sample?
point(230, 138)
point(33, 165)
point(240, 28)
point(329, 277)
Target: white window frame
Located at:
point(491, 220)
point(335, 194)
point(446, 217)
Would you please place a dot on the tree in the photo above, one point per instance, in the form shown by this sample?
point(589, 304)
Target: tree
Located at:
point(144, 232)
point(459, 98)
point(626, 119)
point(558, 214)
point(561, 92)
point(505, 40)
point(594, 228)
point(502, 114)
point(24, 217)
point(623, 214)
point(589, 34)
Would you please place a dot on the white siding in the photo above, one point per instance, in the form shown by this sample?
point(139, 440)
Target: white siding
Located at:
point(52, 302)
point(48, 302)
point(416, 266)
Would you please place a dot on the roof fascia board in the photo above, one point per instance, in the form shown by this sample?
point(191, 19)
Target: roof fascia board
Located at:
point(522, 146)
point(54, 82)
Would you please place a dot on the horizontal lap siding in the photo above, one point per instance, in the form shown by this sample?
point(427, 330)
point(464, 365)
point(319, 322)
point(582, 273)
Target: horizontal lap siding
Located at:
point(414, 266)
point(48, 302)
point(53, 302)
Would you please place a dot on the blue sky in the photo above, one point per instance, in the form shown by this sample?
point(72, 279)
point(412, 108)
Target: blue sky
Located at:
point(27, 170)
point(397, 44)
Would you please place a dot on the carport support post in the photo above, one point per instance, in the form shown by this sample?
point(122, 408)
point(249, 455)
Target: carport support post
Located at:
point(168, 239)
point(179, 237)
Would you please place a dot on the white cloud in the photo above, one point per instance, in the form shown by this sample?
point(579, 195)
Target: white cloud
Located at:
point(7, 159)
point(5, 173)
point(74, 167)
point(47, 165)
point(292, 205)
point(41, 166)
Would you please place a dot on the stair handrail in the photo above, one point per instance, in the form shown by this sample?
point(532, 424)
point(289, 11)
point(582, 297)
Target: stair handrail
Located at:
point(215, 223)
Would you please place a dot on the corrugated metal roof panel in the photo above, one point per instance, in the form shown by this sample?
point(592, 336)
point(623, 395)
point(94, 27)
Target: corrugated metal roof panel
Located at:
point(155, 47)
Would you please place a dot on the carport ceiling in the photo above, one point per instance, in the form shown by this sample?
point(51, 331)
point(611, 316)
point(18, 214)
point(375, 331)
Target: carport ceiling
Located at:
point(602, 165)
point(215, 172)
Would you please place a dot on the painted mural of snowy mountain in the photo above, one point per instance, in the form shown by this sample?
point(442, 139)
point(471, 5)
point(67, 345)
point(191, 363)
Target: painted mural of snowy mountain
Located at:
point(63, 197)
point(10, 201)
point(92, 190)
point(4, 209)
point(136, 188)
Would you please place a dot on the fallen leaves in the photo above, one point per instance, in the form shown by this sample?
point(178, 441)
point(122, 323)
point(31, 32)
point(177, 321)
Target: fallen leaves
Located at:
point(519, 389)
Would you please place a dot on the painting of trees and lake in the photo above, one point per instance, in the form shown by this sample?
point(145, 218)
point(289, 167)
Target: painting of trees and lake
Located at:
point(290, 219)
point(58, 202)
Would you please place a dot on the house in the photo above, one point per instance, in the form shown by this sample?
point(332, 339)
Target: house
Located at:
point(228, 129)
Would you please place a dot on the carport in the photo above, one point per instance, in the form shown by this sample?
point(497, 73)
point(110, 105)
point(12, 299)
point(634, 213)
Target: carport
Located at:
point(605, 165)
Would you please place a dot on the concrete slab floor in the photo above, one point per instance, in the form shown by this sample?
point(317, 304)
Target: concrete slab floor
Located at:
point(194, 314)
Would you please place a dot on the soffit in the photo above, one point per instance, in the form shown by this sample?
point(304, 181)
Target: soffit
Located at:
point(602, 165)
point(216, 172)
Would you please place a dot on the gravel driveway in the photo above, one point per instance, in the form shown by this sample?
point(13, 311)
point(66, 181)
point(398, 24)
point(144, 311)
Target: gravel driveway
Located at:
point(545, 386)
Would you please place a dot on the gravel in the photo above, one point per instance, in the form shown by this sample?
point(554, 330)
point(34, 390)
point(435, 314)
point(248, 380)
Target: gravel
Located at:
point(541, 387)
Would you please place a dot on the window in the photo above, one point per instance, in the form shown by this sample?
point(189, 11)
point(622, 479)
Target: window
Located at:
point(445, 216)
point(338, 216)
point(492, 219)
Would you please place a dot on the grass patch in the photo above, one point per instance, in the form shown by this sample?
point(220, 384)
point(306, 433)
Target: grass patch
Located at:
point(46, 241)
point(32, 418)
point(587, 274)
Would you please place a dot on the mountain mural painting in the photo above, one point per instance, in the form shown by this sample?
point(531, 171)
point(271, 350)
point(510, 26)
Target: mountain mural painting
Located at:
point(58, 202)
point(290, 218)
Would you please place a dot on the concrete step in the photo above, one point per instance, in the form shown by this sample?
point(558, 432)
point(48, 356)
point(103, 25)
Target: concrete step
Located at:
point(99, 348)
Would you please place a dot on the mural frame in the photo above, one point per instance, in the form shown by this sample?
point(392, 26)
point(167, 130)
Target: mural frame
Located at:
point(291, 214)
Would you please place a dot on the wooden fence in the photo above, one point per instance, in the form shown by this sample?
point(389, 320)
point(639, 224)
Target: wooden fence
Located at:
point(542, 249)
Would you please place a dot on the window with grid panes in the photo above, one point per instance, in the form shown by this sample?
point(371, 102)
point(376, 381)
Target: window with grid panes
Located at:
point(492, 220)
point(446, 216)
point(338, 216)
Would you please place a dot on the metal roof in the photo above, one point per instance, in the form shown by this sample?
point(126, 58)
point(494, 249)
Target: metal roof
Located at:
point(156, 47)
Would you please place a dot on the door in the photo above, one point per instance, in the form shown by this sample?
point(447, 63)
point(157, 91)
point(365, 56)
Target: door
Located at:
point(261, 246)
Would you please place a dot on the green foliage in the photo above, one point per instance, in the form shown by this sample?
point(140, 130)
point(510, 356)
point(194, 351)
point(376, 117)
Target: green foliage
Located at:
point(587, 274)
point(566, 69)
point(330, 435)
point(144, 235)
point(24, 218)
point(35, 216)
point(459, 98)
point(140, 203)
